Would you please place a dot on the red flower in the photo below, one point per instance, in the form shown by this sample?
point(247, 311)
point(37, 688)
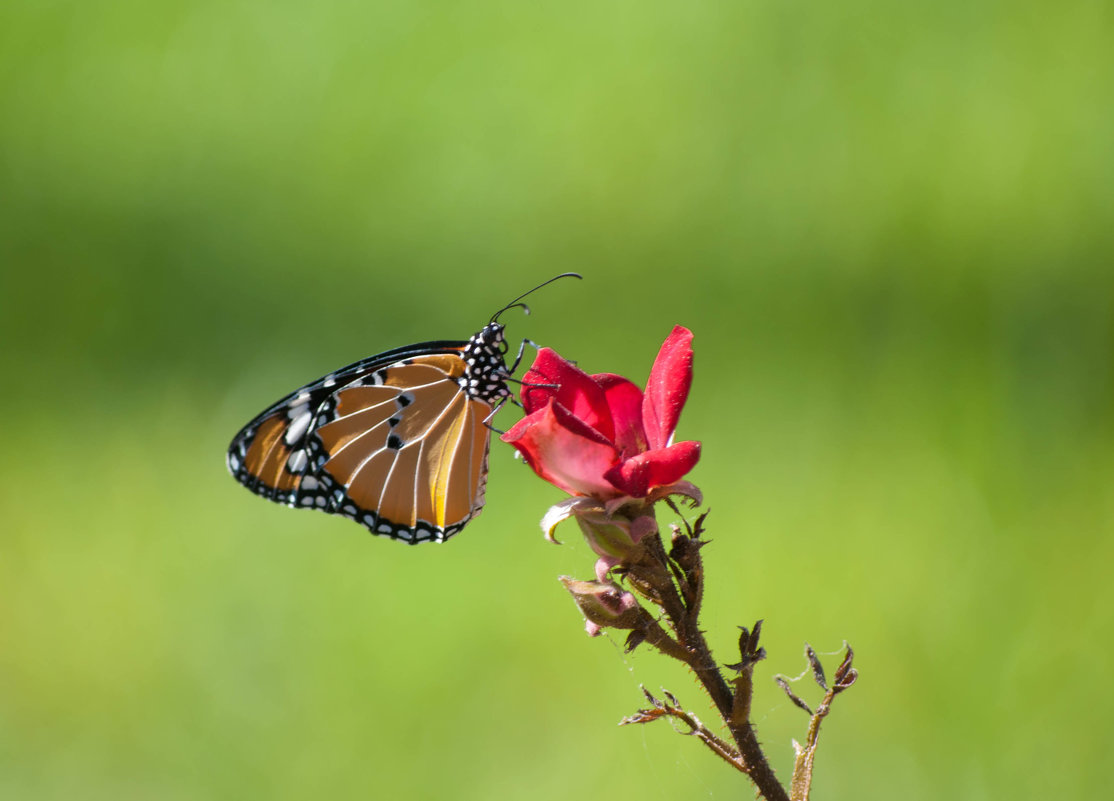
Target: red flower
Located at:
point(599, 435)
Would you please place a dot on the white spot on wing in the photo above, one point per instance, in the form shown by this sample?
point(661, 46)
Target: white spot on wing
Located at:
point(297, 461)
point(299, 423)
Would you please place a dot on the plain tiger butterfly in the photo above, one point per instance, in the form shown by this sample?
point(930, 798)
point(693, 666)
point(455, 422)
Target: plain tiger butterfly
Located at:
point(397, 442)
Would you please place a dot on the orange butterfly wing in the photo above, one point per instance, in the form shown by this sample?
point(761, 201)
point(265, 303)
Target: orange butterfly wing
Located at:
point(397, 442)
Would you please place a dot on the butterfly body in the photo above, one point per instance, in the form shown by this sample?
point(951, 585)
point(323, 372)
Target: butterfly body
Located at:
point(397, 442)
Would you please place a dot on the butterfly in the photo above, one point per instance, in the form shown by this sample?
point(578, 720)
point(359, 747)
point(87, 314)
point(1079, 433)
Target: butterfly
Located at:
point(397, 442)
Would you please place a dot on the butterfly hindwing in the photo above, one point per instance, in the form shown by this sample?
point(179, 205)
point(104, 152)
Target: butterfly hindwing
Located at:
point(406, 446)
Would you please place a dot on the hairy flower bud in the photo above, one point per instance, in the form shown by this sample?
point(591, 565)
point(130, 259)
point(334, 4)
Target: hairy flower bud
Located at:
point(604, 605)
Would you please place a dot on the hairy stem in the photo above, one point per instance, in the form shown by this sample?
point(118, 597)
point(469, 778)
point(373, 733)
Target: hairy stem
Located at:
point(755, 763)
point(698, 656)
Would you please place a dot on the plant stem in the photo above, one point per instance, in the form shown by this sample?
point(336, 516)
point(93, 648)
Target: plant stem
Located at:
point(699, 658)
point(755, 764)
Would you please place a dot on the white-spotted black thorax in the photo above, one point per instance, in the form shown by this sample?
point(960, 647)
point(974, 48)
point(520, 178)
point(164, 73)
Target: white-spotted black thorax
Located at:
point(485, 373)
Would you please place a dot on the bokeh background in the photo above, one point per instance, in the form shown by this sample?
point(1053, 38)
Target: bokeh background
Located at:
point(888, 224)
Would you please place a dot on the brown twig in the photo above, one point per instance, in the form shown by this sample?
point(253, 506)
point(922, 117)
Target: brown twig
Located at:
point(845, 676)
point(671, 708)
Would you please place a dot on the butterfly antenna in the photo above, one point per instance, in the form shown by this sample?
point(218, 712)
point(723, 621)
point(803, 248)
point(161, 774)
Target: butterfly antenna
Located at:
point(515, 303)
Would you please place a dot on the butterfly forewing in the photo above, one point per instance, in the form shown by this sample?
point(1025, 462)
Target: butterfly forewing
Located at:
point(397, 442)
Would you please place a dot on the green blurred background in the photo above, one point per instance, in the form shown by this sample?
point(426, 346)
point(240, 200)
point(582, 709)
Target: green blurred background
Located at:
point(888, 224)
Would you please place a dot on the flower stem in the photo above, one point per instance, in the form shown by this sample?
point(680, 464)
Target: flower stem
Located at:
point(754, 762)
point(668, 588)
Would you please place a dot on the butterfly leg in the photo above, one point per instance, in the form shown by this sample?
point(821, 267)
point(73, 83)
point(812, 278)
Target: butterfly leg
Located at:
point(521, 350)
point(495, 409)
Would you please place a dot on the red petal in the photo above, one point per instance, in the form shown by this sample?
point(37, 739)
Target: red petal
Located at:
point(640, 474)
point(551, 377)
point(565, 451)
point(536, 390)
point(624, 400)
point(668, 387)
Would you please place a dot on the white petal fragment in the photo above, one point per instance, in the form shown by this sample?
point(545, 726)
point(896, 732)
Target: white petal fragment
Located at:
point(562, 511)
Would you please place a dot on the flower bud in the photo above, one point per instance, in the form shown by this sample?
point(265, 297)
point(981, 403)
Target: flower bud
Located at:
point(614, 538)
point(607, 536)
point(604, 605)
